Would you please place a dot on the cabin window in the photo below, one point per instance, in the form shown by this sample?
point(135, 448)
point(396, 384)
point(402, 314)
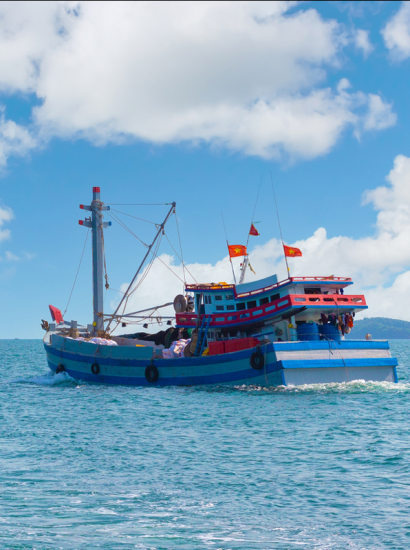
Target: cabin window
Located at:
point(229, 297)
point(312, 290)
point(230, 308)
point(251, 304)
point(274, 297)
point(207, 299)
point(218, 298)
point(240, 307)
point(263, 301)
point(219, 308)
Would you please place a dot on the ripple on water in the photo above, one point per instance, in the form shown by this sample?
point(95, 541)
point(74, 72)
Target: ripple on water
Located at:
point(323, 466)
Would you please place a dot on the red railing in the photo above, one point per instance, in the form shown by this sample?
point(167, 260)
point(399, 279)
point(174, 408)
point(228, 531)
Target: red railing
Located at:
point(271, 309)
point(340, 300)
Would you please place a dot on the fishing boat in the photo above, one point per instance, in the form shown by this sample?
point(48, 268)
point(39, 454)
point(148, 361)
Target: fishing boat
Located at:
point(265, 332)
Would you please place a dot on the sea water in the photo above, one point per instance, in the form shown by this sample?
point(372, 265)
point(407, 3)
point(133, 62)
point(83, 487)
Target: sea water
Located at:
point(323, 467)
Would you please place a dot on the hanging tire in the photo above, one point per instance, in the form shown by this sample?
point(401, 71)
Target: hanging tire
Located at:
point(257, 360)
point(95, 368)
point(151, 374)
point(60, 368)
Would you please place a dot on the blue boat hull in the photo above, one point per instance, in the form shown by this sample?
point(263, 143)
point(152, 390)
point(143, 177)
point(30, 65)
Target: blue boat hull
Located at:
point(285, 363)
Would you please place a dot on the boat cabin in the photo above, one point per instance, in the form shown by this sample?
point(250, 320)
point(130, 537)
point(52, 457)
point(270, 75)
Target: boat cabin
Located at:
point(277, 310)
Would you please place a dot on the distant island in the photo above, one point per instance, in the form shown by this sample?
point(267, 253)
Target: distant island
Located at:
point(380, 328)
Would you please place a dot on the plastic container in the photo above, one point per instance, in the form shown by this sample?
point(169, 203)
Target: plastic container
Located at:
point(329, 332)
point(216, 348)
point(238, 344)
point(308, 332)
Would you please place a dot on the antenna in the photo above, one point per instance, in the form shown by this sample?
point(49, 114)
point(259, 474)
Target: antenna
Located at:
point(280, 229)
point(227, 243)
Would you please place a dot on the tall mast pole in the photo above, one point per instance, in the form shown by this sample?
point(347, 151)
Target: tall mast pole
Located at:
point(97, 226)
point(161, 229)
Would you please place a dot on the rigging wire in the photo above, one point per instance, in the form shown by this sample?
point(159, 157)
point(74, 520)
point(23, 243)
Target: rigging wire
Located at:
point(75, 280)
point(135, 217)
point(181, 260)
point(122, 224)
point(154, 253)
point(182, 257)
point(139, 204)
point(280, 228)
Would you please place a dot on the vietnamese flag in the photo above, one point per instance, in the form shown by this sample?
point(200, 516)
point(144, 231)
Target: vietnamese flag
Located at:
point(237, 250)
point(253, 231)
point(291, 251)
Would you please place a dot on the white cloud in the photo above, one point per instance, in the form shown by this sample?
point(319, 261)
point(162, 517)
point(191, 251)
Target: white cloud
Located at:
point(11, 257)
point(379, 115)
point(396, 33)
point(362, 41)
point(28, 30)
point(6, 215)
point(379, 264)
point(14, 140)
point(246, 75)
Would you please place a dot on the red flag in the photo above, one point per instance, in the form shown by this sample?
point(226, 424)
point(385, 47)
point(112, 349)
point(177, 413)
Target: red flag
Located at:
point(253, 231)
point(291, 251)
point(56, 314)
point(237, 250)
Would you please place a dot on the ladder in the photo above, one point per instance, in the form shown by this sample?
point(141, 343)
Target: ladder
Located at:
point(202, 333)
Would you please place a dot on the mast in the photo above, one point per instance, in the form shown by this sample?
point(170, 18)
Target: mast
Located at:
point(97, 226)
point(244, 266)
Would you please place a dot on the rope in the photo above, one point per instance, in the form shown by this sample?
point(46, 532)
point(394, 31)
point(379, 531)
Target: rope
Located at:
point(75, 280)
point(341, 356)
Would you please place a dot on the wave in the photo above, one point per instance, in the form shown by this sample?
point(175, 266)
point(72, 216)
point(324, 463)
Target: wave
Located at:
point(48, 379)
point(356, 386)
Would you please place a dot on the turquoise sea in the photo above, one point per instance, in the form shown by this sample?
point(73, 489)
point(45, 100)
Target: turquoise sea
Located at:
point(324, 467)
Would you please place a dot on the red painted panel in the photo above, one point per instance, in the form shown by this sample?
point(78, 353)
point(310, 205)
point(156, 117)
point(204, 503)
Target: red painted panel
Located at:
point(216, 348)
point(239, 344)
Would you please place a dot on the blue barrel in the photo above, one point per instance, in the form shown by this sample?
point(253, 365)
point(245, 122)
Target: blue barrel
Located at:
point(329, 332)
point(308, 332)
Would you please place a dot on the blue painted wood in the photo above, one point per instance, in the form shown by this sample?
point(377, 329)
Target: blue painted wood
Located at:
point(121, 365)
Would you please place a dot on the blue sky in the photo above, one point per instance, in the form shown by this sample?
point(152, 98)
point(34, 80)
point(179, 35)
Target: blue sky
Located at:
point(195, 104)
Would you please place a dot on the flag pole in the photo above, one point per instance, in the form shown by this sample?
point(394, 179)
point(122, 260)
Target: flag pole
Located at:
point(280, 229)
point(254, 209)
point(246, 259)
point(227, 244)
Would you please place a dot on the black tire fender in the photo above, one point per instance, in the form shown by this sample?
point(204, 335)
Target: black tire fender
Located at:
point(95, 368)
point(257, 360)
point(60, 368)
point(151, 374)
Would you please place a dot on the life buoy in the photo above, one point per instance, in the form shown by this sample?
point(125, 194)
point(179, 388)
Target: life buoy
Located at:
point(95, 368)
point(257, 360)
point(151, 374)
point(60, 368)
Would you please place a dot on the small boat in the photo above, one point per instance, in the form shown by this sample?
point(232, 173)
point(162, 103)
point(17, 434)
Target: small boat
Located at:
point(265, 333)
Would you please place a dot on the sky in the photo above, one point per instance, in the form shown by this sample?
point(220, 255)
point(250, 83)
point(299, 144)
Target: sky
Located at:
point(208, 105)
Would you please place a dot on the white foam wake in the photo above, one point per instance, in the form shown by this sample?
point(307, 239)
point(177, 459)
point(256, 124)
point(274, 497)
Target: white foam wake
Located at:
point(48, 379)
